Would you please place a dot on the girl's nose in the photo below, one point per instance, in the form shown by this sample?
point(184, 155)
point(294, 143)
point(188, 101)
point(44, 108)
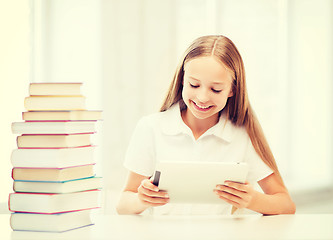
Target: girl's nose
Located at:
point(203, 96)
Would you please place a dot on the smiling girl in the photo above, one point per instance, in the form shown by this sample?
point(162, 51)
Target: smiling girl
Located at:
point(206, 116)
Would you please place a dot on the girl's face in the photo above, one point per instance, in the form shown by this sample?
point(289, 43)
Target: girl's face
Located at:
point(207, 85)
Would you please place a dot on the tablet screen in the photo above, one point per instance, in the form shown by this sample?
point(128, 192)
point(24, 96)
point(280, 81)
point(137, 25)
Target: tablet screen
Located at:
point(194, 182)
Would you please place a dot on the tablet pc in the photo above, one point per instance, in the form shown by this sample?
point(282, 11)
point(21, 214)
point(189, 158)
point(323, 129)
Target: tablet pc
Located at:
point(193, 182)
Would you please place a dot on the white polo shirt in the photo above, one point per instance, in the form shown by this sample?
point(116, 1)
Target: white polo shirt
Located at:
point(164, 136)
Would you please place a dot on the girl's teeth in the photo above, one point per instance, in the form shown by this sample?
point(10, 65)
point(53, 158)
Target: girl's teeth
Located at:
point(202, 106)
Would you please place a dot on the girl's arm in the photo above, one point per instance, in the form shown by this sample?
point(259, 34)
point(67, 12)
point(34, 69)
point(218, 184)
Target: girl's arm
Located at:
point(274, 200)
point(140, 194)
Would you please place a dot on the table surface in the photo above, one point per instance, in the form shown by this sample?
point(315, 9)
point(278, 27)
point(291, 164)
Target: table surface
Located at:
point(299, 226)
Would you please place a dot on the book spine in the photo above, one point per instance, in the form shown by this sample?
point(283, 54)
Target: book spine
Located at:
point(58, 134)
point(86, 146)
point(52, 213)
point(61, 120)
point(47, 121)
point(54, 168)
point(9, 206)
point(12, 174)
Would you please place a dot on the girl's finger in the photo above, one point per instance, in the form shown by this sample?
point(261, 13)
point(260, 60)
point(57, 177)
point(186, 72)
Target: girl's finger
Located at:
point(148, 185)
point(153, 204)
point(234, 200)
point(228, 195)
point(150, 193)
point(153, 200)
point(239, 186)
point(236, 204)
point(230, 190)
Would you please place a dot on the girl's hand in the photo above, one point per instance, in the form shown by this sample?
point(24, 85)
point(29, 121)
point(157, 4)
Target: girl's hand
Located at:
point(239, 195)
point(150, 195)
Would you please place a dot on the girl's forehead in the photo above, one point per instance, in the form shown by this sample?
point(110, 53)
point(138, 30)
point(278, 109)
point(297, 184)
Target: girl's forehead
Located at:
point(208, 67)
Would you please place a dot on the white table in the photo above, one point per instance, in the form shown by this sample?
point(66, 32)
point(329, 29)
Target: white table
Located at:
point(189, 227)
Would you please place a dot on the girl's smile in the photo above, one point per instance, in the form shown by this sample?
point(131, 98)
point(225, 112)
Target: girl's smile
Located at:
point(202, 108)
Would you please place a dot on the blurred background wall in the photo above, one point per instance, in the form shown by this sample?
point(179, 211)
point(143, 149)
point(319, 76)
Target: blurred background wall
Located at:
point(126, 52)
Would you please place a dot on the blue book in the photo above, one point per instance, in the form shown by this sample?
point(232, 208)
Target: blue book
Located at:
point(76, 185)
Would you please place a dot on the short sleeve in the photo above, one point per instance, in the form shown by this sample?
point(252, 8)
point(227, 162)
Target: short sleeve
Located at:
point(139, 156)
point(258, 170)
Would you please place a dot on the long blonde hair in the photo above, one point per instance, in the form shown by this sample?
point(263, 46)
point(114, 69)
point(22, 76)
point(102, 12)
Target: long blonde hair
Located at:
point(238, 108)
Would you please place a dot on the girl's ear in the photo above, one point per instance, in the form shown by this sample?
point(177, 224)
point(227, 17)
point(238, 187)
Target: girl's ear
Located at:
point(231, 93)
point(232, 88)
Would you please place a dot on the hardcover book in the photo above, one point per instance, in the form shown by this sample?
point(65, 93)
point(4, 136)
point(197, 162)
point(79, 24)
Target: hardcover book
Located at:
point(41, 89)
point(59, 222)
point(53, 174)
point(76, 185)
point(49, 127)
point(34, 103)
point(75, 115)
point(53, 140)
point(52, 157)
point(49, 203)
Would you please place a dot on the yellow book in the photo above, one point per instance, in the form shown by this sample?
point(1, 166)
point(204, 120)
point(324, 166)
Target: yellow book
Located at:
point(53, 140)
point(37, 103)
point(42, 89)
point(53, 174)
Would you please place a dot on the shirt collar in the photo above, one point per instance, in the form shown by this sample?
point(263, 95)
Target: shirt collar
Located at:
point(172, 124)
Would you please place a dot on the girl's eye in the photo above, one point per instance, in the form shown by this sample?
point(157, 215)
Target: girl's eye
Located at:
point(194, 86)
point(216, 91)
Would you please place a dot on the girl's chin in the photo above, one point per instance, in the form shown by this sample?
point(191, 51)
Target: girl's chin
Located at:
point(205, 116)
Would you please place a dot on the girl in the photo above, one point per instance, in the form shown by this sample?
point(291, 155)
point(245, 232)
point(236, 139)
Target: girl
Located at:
point(206, 116)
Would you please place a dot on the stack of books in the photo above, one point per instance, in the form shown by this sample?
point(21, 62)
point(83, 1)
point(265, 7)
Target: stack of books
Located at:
point(55, 187)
